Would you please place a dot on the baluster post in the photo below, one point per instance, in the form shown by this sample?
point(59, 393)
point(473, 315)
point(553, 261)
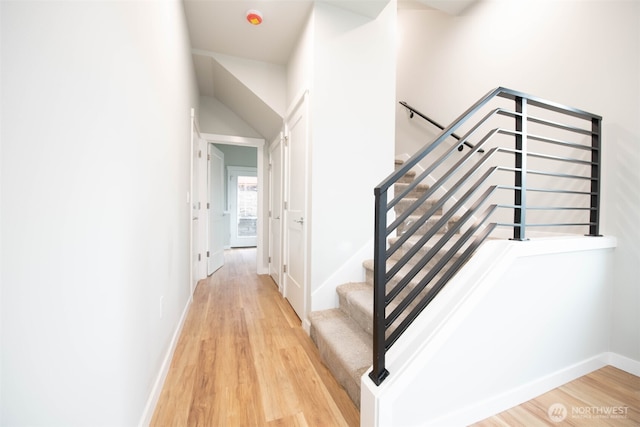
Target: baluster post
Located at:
point(520, 193)
point(596, 144)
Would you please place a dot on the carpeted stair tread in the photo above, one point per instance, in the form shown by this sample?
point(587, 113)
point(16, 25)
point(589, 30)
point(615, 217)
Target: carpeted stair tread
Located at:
point(345, 348)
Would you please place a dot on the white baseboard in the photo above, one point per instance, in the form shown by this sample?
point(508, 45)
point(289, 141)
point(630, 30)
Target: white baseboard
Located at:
point(306, 325)
point(152, 401)
point(504, 401)
point(526, 392)
point(624, 363)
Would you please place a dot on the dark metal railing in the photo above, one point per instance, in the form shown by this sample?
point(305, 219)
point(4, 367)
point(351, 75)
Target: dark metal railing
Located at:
point(541, 168)
point(413, 111)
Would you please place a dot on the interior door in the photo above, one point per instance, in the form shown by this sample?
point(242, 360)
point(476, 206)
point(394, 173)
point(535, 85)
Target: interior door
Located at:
point(216, 210)
point(296, 221)
point(198, 222)
point(275, 210)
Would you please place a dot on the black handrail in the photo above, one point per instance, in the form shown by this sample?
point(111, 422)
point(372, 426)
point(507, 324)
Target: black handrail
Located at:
point(413, 111)
point(443, 240)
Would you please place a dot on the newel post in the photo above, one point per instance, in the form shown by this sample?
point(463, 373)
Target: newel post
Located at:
point(379, 373)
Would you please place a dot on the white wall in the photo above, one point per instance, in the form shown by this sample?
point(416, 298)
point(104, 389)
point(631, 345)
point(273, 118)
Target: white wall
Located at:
point(236, 155)
point(300, 65)
point(214, 117)
point(352, 132)
point(96, 100)
point(584, 54)
point(520, 318)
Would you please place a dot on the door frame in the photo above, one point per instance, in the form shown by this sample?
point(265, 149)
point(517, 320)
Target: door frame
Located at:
point(276, 150)
point(215, 211)
point(262, 266)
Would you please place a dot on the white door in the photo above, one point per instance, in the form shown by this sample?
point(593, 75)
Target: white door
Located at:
point(242, 190)
point(198, 221)
point(216, 210)
point(275, 210)
point(296, 220)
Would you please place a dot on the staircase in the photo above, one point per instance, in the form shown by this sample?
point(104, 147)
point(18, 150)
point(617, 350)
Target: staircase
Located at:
point(343, 335)
point(556, 163)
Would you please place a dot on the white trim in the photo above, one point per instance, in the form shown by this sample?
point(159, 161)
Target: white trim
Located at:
point(496, 404)
point(296, 103)
point(214, 138)
point(154, 396)
point(276, 150)
point(526, 392)
point(517, 396)
point(622, 362)
point(189, 198)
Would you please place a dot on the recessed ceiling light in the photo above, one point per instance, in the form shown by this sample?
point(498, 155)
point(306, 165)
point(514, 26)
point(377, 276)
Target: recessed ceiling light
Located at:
point(254, 17)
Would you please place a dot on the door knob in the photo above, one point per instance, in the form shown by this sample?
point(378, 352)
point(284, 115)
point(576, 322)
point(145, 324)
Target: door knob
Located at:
point(299, 221)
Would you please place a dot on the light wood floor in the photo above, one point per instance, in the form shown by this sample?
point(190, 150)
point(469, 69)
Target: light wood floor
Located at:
point(244, 360)
point(606, 397)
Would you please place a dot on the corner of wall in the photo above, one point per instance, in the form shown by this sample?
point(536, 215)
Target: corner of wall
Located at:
point(325, 296)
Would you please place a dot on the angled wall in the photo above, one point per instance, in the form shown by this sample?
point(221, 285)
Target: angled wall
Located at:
point(215, 117)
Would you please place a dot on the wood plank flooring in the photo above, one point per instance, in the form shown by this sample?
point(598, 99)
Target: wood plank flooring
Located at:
point(244, 360)
point(606, 397)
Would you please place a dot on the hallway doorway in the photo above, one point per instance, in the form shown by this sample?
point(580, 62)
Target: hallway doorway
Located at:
point(251, 220)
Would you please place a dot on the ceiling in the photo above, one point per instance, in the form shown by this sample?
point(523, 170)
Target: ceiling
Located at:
point(219, 27)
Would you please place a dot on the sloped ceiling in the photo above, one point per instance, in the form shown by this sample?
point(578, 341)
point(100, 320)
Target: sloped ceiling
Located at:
point(219, 27)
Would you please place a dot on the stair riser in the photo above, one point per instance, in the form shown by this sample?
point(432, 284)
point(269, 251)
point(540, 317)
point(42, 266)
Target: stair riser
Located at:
point(397, 278)
point(407, 179)
point(405, 204)
point(415, 193)
point(424, 228)
point(363, 316)
point(418, 255)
